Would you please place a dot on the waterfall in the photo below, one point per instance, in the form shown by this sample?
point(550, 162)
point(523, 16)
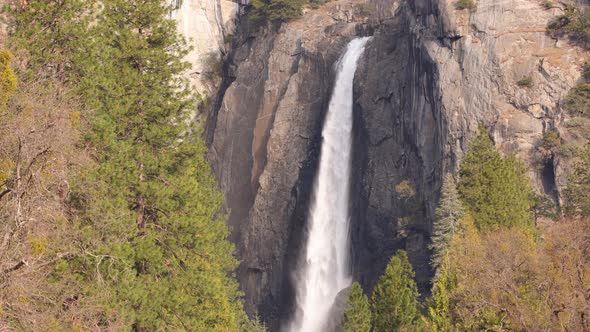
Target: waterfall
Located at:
point(325, 270)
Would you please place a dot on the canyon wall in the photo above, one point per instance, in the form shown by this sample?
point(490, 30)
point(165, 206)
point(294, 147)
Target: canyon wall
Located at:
point(208, 26)
point(430, 75)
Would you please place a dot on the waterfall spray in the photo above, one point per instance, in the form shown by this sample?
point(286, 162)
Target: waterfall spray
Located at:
point(325, 269)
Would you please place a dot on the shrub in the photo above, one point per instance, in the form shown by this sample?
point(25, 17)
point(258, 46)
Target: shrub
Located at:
point(8, 80)
point(227, 39)
point(578, 187)
point(275, 10)
point(575, 23)
point(577, 101)
point(548, 4)
point(405, 189)
point(465, 4)
point(213, 65)
point(526, 82)
point(551, 141)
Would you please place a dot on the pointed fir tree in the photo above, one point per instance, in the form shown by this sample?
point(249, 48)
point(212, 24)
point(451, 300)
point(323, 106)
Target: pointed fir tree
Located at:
point(495, 190)
point(448, 215)
point(357, 316)
point(394, 302)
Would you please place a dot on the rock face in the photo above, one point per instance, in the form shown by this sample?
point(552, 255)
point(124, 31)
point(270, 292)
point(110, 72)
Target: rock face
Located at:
point(207, 25)
point(428, 77)
point(264, 135)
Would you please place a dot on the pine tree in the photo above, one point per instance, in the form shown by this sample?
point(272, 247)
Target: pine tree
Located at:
point(495, 190)
point(155, 254)
point(152, 199)
point(448, 215)
point(357, 316)
point(394, 302)
point(577, 193)
point(55, 35)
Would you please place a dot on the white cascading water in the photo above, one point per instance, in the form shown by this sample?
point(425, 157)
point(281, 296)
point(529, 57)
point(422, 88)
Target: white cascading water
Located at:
point(325, 270)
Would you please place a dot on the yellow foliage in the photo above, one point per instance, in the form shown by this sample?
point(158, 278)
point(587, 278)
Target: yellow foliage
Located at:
point(52, 325)
point(509, 279)
point(22, 299)
point(6, 166)
point(74, 118)
point(38, 245)
point(8, 80)
point(405, 189)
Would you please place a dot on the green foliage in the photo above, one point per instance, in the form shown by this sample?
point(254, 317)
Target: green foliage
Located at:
point(550, 146)
point(55, 35)
point(357, 316)
point(575, 23)
point(526, 82)
point(254, 325)
point(438, 316)
point(155, 254)
point(448, 215)
point(172, 271)
point(577, 193)
point(275, 10)
point(548, 4)
point(551, 140)
point(213, 64)
point(465, 4)
point(8, 80)
point(543, 206)
point(494, 189)
point(227, 39)
point(577, 101)
point(394, 302)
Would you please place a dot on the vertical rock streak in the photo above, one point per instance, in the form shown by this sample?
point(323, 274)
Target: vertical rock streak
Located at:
point(325, 270)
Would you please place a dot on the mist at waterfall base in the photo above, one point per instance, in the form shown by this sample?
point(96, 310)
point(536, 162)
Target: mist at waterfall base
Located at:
point(325, 270)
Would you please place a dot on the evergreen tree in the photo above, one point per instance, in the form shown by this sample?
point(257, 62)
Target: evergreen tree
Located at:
point(55, 35)
point(394, 302)
point(495, 190)
point(159, 217)
point(357, 316)
point(577, 193)
point(154, 249)
point(439, 304)
point(448, 215)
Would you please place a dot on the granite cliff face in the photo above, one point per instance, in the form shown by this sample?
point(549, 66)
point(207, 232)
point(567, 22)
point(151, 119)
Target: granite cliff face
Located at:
point(207, 25)
point(428, 77)
point(264, 135)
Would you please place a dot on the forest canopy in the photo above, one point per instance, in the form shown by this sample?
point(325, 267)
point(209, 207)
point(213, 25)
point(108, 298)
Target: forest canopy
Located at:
point(114, 220)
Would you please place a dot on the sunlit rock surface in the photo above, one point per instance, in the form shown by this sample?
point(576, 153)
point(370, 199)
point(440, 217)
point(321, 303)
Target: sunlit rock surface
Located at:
point(428, 77)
